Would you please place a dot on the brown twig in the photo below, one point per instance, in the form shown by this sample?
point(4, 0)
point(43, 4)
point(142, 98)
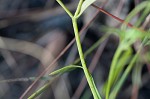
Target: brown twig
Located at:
point(117, 18)
point(113, 16)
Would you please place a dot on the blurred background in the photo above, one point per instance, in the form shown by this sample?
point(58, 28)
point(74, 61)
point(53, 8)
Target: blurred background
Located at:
point(34, 32)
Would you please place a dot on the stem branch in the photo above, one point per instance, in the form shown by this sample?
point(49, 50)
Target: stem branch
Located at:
point(77, 37)
point(79, 7)
point(65, 8)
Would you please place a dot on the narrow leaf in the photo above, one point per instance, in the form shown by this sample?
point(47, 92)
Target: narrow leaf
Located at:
point(43, 88)
point(85, 5)
point(64, 70)
point(24, 79)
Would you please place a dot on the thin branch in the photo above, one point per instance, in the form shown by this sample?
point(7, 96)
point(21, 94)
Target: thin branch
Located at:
point(111, 15)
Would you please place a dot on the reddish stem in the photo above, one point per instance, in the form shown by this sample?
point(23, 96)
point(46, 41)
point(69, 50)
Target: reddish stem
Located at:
point(113, 16)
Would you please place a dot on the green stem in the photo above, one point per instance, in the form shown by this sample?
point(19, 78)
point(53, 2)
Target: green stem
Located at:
point(42, 89)
point(65, 8)
point(123, 78)
point(94, 46)
point(112, 70)
point(75, 26)
point(125, 74)
point(79, 7)
point(86, 71)
point(144, 14)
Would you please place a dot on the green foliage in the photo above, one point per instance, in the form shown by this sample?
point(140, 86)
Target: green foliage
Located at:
point(64, 70)
point(85, 5)
point(82, 5)
point(145, 4)
point(130, 36)
point(127, 38)
point(42, 89)
point(124, 59)
point(137, 74)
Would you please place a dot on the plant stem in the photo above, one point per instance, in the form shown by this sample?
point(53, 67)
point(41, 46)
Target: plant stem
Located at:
point(65, 8)
point(94, 46)
point(124, 76)
point(75, 27)
point(78, 7)
point(43, 88)
point(86, 71)
point(112, 70)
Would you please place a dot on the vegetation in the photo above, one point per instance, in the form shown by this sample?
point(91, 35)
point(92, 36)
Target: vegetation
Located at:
point(123, 57)
point(131, 55)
